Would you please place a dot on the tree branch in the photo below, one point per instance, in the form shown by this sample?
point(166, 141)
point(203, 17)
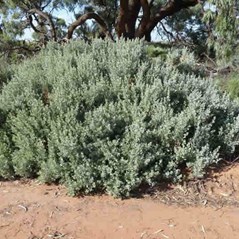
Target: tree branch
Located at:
point(48, 18)
point(46, 5)
point(151, 3)
point(82, 19)
point(168, 32)
point(30, 20)
point(172, 7)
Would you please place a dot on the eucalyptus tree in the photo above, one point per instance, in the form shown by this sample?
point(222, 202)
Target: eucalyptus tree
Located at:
point(194, 22)
point(125, 18)
point(222, 20)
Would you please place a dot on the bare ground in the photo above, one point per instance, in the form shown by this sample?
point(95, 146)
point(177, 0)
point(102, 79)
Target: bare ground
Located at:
point(201, 210)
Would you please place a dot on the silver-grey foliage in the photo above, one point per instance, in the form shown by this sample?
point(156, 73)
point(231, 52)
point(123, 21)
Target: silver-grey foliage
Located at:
point(106, 117)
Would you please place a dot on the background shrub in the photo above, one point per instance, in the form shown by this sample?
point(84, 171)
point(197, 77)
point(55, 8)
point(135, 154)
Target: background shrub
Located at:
point(185, 61)
point(105, 117)
point(230, 84)
point(6, 71)
point(181, 58)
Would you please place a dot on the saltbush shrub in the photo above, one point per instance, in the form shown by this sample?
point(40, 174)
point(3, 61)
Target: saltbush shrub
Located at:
point(181, 58)
point(6, 71)
point(185, 61)
point(105, 117)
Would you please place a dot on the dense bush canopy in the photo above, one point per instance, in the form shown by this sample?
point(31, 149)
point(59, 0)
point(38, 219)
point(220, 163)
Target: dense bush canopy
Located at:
point(105, 117)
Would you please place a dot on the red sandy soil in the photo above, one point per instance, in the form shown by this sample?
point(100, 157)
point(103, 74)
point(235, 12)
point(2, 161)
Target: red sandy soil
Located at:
point(29, 210)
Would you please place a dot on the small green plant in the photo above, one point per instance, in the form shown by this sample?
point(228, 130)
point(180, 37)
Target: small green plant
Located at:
point(156, 51)
point(107, 117)
point(230, 84)
point(233, 86)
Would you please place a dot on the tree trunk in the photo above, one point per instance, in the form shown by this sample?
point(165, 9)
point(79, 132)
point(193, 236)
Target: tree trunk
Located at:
point(134, 8)
point(122, 19)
